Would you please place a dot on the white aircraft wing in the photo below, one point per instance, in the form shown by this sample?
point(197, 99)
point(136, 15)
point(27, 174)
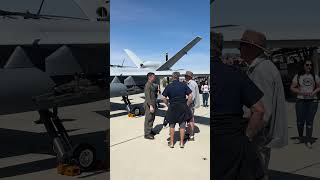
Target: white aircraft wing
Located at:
point(167, 65)
point(135, 59)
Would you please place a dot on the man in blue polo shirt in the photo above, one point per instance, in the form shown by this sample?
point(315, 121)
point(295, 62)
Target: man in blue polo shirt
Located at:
point(178, 109)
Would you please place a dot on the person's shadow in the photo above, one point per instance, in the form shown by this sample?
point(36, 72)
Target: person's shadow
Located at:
point(158, 128)
point(304, 139)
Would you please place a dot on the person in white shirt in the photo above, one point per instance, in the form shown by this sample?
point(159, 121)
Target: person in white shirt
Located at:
point(195, 101)
point(205, 93)
point(274, 131)
point(306, 84)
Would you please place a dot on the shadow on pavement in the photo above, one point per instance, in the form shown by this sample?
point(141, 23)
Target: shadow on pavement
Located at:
point(158, 128)
point(198, 119)
point(117, 106)
point(15, 143)
point(277, 175)
point(313, 139)
point(159, 113)
point(102, 113)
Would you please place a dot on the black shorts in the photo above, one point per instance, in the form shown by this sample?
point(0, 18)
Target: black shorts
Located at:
point(181, 125)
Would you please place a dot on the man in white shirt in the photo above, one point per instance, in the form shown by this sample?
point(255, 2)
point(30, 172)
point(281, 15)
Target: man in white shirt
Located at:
point(266, 76)
point(195, 101)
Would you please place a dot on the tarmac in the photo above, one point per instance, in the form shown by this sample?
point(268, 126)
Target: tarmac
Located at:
point(296, 161)
point(136, 158)
point(26, 151)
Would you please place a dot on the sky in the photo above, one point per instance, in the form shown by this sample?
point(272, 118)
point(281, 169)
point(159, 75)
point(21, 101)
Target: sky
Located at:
point(152, 28)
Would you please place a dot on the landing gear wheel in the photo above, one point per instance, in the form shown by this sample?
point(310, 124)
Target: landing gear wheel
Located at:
point(136, 111)
point(85, 156)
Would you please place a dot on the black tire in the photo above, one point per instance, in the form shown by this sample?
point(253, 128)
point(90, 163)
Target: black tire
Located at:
point(136, 111)
point(85, 156)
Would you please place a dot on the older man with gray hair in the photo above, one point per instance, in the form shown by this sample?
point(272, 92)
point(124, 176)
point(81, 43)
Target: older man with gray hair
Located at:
point(195, 101)
point(274, 133)
point(174, 96)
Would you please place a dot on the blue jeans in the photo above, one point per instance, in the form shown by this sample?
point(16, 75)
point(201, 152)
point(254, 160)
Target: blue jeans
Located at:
point(306, 111)
point(205, 97)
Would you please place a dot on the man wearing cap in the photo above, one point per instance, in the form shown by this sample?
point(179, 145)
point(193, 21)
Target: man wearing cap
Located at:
point(234, 156)
point(195, 101)
point(178, 109)
point(266, 76)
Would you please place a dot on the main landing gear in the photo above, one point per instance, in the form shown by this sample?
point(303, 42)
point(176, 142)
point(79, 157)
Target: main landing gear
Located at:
point(82, 155)
point(132, 110)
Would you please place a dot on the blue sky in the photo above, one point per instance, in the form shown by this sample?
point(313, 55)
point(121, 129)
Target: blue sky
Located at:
point(152, 28)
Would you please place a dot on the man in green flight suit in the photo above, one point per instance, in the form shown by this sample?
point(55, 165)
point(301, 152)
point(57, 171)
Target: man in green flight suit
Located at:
point(149, 106)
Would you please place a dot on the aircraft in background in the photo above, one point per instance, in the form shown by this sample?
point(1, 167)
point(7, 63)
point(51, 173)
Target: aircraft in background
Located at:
point(126, 74)
point(156, 65)
point(129, 85)
point(52, 60)
point(131, 80)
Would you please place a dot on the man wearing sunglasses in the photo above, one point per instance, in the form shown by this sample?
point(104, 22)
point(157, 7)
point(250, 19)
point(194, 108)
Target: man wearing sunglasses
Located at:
point(266, 76)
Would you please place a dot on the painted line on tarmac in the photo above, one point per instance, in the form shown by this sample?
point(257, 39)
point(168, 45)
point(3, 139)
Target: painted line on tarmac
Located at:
point(300, 169)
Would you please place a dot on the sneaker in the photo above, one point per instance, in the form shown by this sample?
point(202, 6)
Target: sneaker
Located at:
point(297, 141)
point(309, 145)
